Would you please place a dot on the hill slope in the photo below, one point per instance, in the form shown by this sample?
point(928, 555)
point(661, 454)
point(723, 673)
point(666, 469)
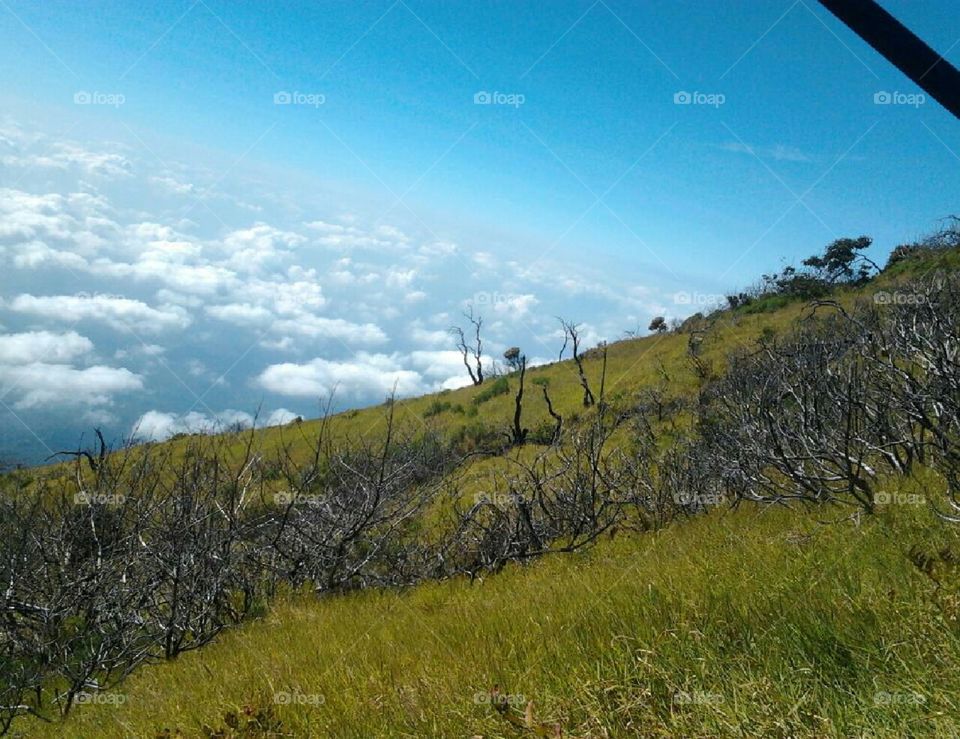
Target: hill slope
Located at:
point(738, 623)
point(747, 620)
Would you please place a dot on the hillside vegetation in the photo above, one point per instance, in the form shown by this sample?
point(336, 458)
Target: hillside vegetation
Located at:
point(740, 525)
point(744, 623)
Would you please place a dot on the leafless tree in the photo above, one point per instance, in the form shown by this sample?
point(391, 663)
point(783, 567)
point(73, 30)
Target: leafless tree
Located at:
point(471, 352)
point(808, 418)
point(558, 419)
point(915, 346)
point(561, 500)
point(348, 520)
point(572, 334)
point(518, 434)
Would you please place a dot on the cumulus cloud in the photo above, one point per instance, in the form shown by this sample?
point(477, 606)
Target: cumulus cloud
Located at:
point(346, 237)
point(280, 417)
point(157, 425)
point(59, 385)
point(332, 328)
point(173, 185)
point(442, 368)
point(68, 155)
point(241, 314)
point(307, 291)
point(36, 370)
point(42, 346)
point(365, 375)
point(76, 221)
point(254, 248)
point(484, 259)
point(35, 254)
point(118, 312)
point(401, 278)
point(514, 305)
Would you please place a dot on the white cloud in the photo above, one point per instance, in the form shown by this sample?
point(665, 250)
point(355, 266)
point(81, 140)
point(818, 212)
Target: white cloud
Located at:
point(241, 314)
point(67, 155)
point(201, 279)
point(60, 385)
point(444, 368)
point(42, 346)
point(157, 425)
point(427, 337)
point(365, 375)
point(120, 226)
point(280, 417)
point(173, 185)
point(78, 221)
point(251, 249)
point(439, 249)
point(118, 312)
point(400, 278)
point(484, 259)
point(331, 328)
point(516, 306)
point(326, 228)
point(34, 254)
point(342, 237)
point(170, 296)
point(391, 232)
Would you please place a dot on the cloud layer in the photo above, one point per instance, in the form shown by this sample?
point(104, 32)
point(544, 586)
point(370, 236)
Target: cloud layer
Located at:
point(155, 296)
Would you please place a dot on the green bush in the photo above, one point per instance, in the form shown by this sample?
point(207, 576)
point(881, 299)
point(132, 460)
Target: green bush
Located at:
point(476, 436)
point(500, 386)
point(436, 408)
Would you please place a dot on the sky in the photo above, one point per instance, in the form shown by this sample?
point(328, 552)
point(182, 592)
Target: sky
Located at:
point(210, 210)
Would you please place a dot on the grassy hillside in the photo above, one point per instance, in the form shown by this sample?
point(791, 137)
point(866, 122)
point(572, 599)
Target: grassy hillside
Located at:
point(632, 365)
point(750, 620)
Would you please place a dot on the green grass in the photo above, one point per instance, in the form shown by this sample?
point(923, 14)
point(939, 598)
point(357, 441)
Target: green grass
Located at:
point(754, 622)
point(771, 622)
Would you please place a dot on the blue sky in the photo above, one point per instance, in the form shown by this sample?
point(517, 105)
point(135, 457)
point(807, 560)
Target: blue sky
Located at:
point(181, 200)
